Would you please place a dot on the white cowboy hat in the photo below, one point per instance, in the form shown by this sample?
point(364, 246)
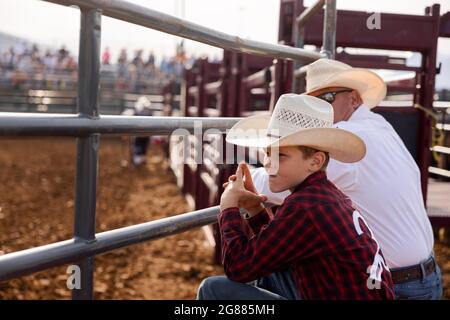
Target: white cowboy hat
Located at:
point(326, 73)
point(298, 120)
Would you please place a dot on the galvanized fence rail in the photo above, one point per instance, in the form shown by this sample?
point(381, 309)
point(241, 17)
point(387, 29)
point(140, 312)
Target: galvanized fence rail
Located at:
point(87, 126)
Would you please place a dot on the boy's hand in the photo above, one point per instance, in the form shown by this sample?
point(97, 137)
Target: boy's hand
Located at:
point(240, 193)
point(248, 181)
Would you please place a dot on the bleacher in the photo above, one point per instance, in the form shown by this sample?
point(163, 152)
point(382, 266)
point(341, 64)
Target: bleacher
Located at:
point(57, 93)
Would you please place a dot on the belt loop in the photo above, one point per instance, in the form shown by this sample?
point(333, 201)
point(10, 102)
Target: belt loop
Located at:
point(434, 262)
point(422, 269)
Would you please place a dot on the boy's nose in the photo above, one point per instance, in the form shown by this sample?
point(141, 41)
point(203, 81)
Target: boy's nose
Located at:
point(270, 165)
point(266, 161)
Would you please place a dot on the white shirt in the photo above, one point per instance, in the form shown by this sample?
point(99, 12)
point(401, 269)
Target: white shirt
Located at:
point(385, 186)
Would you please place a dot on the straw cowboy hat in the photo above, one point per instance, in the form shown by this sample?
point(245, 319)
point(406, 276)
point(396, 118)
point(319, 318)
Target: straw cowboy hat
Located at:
point(326, 73)
point(298, 120)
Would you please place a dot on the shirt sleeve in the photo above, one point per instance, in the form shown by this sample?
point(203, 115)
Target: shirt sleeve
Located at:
point(343, 175)
point(258, 221)
point(287, 237)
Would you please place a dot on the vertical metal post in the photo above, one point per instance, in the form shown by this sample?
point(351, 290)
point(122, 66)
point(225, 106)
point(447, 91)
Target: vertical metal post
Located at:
point(278, 83)
point(298, 36)
point(87, 147)
point(429, 75)
point(201, 82)
point(329, 29)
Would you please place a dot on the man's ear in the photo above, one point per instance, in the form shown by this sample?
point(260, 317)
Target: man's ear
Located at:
point(355, 99)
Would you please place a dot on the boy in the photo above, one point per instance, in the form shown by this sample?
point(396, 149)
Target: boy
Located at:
point(316, 245)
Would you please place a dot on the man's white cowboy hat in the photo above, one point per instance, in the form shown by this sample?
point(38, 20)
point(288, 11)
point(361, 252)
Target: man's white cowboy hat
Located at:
point(298, 120)
point(326, 73)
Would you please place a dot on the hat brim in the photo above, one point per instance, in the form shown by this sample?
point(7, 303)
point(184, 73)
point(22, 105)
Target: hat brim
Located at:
point(342, 145)
point(369, 85)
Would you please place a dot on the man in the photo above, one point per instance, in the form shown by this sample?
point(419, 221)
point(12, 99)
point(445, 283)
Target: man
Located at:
point(316, 232)
point(139, 145)
point(384, 186)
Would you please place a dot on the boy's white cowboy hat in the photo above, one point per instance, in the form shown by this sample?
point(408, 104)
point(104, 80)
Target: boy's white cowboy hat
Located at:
point(298, 120)
point(326, 73)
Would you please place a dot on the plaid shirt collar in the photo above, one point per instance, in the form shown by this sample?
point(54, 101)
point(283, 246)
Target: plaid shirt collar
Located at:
point(316, 177)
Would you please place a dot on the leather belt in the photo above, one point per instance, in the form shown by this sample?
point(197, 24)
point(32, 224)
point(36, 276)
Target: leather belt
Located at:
point(413, 272)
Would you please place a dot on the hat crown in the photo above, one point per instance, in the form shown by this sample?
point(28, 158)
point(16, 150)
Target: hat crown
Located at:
point(321, 70)
point(295, 112)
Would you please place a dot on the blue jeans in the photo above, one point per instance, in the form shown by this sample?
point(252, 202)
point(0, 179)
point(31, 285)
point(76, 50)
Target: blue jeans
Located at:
point(427, 288)
point(276, 286)
point(281, 286)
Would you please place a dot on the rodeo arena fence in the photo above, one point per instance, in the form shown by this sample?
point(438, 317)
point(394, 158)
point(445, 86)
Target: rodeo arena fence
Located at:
point(250, 78)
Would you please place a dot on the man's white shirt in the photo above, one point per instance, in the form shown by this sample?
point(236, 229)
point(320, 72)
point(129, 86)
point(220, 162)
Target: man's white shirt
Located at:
point(384, 186)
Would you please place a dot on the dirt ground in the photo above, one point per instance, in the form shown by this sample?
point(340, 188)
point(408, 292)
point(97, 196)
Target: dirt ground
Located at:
point(36, 208)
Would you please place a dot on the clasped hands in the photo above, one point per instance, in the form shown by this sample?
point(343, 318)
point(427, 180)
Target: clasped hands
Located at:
point(241, 192)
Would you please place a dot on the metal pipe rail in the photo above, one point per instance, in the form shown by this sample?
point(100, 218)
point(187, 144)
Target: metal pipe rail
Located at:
point(39, 124)
point(213, 87)
point(303, 18)
point(439, 171)
point(35, 259)
point(300, 72)
point(328, 49)
point(149, 18)
point(263, 77)
point(445, 127)
point(440, 149)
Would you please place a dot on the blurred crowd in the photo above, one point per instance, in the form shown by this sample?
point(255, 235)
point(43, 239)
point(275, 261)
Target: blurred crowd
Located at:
point(24, 63)
point(26, 66)
point(139, 72)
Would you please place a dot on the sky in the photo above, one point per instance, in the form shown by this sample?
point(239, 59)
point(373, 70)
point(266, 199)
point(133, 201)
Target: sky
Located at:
point(55, 25)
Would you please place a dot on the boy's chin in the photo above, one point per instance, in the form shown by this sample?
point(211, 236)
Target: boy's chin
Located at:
point(277, 189)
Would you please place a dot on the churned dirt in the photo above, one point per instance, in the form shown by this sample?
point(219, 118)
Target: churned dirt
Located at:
point(36, 208)
point(37, 204)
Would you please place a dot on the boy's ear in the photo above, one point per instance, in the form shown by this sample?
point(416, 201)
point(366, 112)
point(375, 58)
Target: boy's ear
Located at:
point(317, 161)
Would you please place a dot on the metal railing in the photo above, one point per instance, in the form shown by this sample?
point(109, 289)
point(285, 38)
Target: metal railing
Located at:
point(149, 18)
point(441, 153)
point(328, 49)
point(88, 125)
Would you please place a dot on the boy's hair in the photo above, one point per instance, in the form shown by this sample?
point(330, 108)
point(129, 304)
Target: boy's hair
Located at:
point(308, 152)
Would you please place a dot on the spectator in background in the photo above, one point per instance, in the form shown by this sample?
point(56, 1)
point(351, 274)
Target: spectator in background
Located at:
point(62, 54)
point(106, 56)
point(137, 72)
point(132, 77)
point(137, 60)
point(10, 59)
point(151, 59)
point(122, 64)
point(122, 71)
point(49, 61)
point(122, 57)
point(163, 65)
point(139, 145)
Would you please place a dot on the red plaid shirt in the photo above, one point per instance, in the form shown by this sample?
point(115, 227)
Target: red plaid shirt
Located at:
point(318, 234)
